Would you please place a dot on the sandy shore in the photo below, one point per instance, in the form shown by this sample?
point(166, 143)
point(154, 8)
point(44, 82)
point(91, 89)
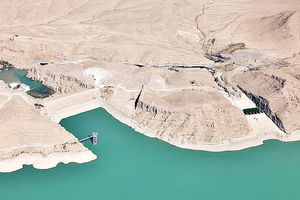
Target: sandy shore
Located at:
point(40, 161)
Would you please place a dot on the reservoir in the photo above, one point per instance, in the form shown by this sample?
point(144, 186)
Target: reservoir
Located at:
point(132, 166)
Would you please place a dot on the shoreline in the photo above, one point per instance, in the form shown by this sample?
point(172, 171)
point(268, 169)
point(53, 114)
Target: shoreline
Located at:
point(226, 145)
point(259, 123)
point(257, 138)
point(39, 161)
point(42, 154)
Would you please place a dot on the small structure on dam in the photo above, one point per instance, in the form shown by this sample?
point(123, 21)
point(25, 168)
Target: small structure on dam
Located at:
point(93, 138)
point(252, 111)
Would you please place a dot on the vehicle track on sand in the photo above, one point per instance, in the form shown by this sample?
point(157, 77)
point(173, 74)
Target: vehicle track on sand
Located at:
point(6, 101)
point(9, 95)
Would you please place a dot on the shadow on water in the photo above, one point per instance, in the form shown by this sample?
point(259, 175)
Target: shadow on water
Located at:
point(133, 166)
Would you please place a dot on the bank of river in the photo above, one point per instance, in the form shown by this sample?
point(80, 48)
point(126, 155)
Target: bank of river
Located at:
point(133, 166)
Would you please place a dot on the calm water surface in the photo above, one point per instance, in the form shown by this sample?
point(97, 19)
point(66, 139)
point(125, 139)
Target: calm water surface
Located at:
point(132, 166)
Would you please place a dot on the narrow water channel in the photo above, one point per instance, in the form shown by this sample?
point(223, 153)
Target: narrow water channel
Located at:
point(19, 76)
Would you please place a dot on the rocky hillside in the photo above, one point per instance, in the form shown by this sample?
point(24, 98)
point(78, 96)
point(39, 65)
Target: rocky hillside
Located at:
point(191, 120)
point(61, 83)
point(184, 107)
point(277, 94)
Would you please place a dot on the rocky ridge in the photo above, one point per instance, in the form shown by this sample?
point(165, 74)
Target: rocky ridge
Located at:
point(59, 82)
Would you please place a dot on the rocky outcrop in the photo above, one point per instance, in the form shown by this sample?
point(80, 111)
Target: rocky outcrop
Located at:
point(264, 106)
point(192, 126)
point(4, 65)
point(59, 82)
point(274, 92)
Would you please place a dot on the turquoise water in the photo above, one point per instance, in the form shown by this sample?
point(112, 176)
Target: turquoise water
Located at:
point(132, 166)
point(19, 76)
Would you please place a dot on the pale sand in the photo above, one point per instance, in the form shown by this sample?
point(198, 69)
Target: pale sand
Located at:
point(40, 161)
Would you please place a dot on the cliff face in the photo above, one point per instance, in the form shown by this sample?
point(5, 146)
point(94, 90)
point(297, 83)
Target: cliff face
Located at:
point(192, 126)
point(195, 116)
point(276, 93)
point(59, 82)
point(263, 105)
